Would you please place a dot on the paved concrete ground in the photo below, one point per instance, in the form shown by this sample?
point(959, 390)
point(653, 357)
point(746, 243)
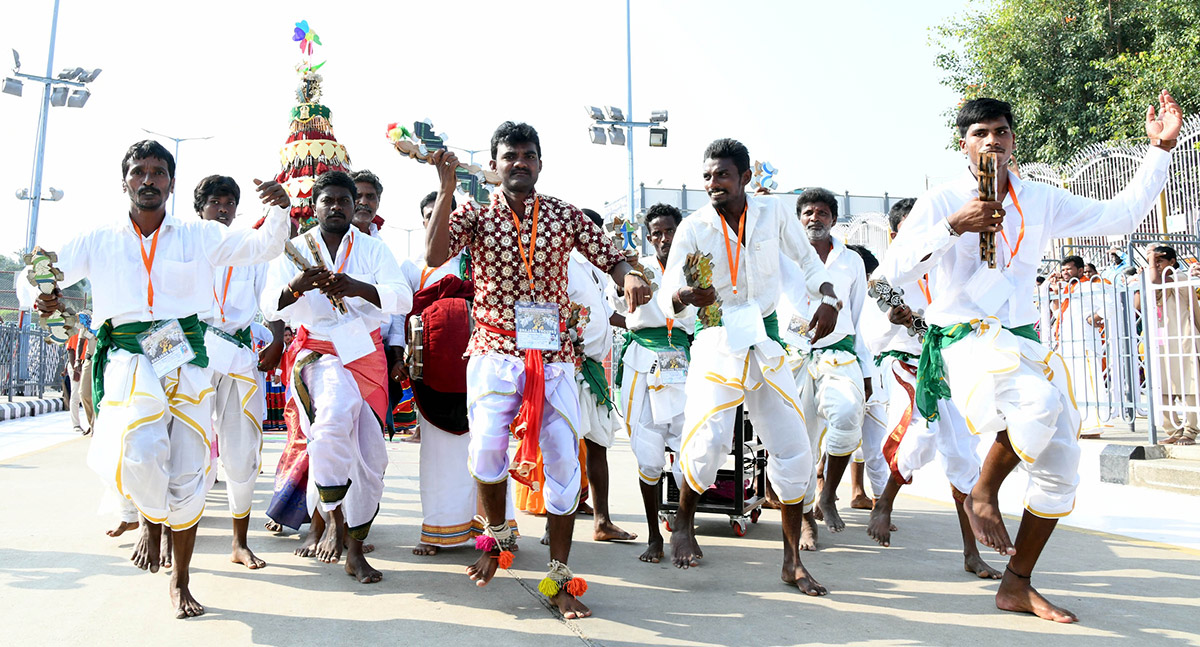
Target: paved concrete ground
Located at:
point(62, 580)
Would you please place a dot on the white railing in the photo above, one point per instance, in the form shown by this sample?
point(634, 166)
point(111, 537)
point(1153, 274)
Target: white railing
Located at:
point(1173, 335)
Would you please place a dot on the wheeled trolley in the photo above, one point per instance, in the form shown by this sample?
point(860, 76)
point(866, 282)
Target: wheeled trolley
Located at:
point(739, 489)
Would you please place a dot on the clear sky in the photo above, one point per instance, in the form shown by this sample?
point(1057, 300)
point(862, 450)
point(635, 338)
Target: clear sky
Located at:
point(837, 94)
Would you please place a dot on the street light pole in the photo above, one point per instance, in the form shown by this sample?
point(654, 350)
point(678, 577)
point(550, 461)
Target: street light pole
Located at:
point(629, 104)
point(35, 202)
point(176, 140)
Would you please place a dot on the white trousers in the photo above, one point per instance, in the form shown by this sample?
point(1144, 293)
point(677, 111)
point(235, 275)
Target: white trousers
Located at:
point(76, 400)
point(347, 456)
point(448, 493)
point(238, 412)
point(653, 414)
point(1003, 382)
point(494, 386)
point(874, 429)
point(151, 438)
point(830, 388)
point(718, 382)
point(597, 422)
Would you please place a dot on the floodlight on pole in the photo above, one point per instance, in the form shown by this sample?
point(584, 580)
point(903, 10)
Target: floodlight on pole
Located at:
point(658, 116)
point(58, 96)
point(78, 98)
point(13, 86)
point(614, 113)
point(16, 61)
point(658, 137)
point(91, 76)
point(596, 133)
point(616, 136)
point(594, 112)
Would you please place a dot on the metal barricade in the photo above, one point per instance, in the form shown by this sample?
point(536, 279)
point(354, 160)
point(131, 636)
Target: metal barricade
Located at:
point(29, 365)
point(1172, 340)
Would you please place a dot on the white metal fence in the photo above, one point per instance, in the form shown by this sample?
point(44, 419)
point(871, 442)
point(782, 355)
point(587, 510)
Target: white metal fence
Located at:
point(1173, 317)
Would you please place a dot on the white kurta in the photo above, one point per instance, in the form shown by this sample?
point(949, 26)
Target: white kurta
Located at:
point(722, 378)
point(152, 436)
point(585, 286)
point(998, 380)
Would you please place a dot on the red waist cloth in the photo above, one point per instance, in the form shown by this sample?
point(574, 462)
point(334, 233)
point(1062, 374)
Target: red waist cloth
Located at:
point(370, 371)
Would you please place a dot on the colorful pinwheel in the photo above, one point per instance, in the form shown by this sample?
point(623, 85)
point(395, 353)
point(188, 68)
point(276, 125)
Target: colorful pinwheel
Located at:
point(306, 37)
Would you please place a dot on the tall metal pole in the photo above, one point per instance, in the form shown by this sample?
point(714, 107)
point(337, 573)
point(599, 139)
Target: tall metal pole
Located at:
point(39, 151)
point(176, 140)
point(628, 105)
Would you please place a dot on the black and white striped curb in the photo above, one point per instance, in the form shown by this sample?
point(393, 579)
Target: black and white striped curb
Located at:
point(12, 410)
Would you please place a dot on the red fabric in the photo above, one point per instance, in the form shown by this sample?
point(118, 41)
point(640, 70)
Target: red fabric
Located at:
point(446, 318)
point(370, 372)
point(891, 444)
point(527, 427)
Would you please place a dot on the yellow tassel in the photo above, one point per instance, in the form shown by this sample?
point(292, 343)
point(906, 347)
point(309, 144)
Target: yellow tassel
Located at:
point(548, 587)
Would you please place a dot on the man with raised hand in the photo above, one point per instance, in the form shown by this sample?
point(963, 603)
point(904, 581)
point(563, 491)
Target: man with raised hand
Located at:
point(981, 349)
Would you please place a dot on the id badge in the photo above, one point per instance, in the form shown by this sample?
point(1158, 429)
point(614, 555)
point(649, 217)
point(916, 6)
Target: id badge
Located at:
point(796, 333)
point(222, 349)
point(352, 341)
point(537, 326)
point(167, 348)
point(743, 326)
point(672, 366)
point(988, 289)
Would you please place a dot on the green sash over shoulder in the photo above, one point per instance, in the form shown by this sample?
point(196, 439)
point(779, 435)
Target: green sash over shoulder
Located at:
point(770, 322)
point(907, 358)
point(931, 371)
point(593, 374)
point(656, 339)
point(125, 338)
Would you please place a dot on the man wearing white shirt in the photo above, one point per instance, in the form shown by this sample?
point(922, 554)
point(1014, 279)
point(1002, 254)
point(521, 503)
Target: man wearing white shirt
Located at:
point(652, 394)
point(981, 349)
point(1086, 310)
point(152, 273)
point(239, 405)
point(830, 375)
point(742, 360)
point(337, 372)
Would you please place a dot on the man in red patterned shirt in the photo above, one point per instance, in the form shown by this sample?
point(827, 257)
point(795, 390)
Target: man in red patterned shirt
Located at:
point(520, 375)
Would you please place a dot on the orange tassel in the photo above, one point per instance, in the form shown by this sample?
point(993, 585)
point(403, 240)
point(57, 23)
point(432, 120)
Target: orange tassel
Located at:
point(577, 586)
point(505, 559)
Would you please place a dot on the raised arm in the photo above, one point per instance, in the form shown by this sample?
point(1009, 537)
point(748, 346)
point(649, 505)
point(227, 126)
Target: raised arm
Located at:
point(228, 246)
point(437, 232)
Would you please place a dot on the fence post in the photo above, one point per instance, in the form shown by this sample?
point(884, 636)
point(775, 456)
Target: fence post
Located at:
point(1150, 323)
point(1162, 211)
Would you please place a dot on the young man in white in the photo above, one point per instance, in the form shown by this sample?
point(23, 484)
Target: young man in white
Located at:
point(981, 349)
point(652, 395)
point(337, 372)
point(1085, 328)
point(742, 360)
point(832, 390)
point(153, 272)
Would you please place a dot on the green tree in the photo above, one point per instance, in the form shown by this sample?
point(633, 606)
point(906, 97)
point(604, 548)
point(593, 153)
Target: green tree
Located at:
point(1076, 71)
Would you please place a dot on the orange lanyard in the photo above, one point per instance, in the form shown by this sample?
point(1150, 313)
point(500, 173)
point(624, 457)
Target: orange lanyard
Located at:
point(345, 258)
point(425, 274)
point(1012, 251)
point(924, 285)
point(670, 321)
point(734, 264)
point(148, 261)
point(528, 260)
point(224, 293)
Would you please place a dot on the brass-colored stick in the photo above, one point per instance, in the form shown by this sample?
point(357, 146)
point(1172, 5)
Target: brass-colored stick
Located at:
point(987, 192)
point(320, 263)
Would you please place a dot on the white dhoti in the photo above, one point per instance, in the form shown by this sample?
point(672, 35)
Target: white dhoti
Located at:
point(653, 413)
point(913, 441)
point(494, 386)
point(449, 495)
point(151, 439)
point(238, 412)
point(999, 382)
point(718, 382)
point(347, 456)
point(874, 429)
point(597, 422)
point(830, 388)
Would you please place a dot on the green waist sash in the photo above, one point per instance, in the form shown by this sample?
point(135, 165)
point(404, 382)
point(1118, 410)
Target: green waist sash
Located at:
point(770, 322)
point(593, 374)
point(124, 337)
point(845, 344)
point(243, 336)
point(907, 358)
point(656, 339)
point(931, 371)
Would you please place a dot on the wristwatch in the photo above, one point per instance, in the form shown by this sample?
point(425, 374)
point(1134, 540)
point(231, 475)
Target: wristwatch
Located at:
point(1169, 143)
point(950, 228)
point(832, 301)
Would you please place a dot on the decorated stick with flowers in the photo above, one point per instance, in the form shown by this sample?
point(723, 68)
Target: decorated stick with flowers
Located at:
point(421, 141)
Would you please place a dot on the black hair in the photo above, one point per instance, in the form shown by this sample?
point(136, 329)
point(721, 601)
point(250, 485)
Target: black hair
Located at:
point(817, 195)
point(899, 212)
point(431, 197)
point(594, 217)
point(870, 263)
point(368, 177)
point(215, 186)
point(1169, 252)
point(661, 210)
point(331, 179)
point(978, 111)
point(145, 149)
point(1077, 261)
point(731, 149)
point(1040, 279)
point(1091, 266)
point(513, 133)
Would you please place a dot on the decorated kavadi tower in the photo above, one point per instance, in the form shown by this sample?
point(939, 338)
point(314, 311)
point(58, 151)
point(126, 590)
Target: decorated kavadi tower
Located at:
point(311, 148)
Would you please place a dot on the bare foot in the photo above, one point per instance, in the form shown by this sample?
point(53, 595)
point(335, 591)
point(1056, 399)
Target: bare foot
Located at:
point(484, 568)
point(654, 550)
point(167, 554)
point(1017, 594)
point(358, 568)
point(585, 509)
point(880, 526)
point(608, 531)
point(121, 528)
point(186, 606)
point(685, 552)
point(366, 548)
point(426, 550)
point(273, 526)
point(808, 531)
point(817, 514)
point(545, 540)
point(147, 552)
point(862, 502)
point(329, 548)
point(1184, 440)
point(796, 575)
point(309, 547)
point(246, 557)
point(569, 606)
point(829, 512)
point(975, 564)
point(988, 525)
